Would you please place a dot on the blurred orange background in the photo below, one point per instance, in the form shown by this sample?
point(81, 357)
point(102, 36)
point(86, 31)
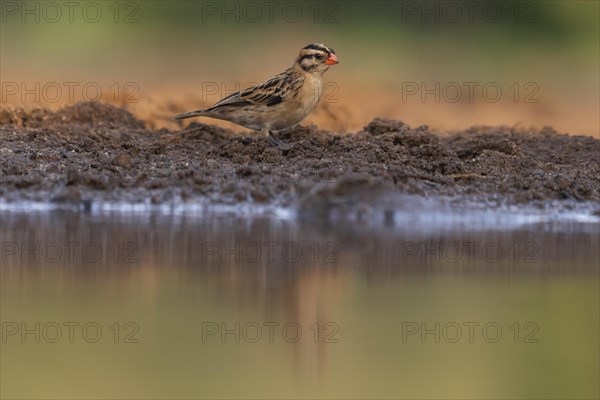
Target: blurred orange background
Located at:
point(524, 65)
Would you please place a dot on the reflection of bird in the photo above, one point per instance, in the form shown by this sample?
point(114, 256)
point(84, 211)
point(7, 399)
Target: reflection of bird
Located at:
point(282, 101)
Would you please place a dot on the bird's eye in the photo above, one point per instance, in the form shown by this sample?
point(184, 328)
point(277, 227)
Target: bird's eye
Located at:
point(319, 56)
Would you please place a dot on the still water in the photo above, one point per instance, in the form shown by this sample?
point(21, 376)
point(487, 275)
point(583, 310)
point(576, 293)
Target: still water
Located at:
point(151, 305)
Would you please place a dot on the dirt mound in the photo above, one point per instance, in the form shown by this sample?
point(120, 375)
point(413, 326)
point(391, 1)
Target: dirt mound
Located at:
point(93, 152)
point(85, 113)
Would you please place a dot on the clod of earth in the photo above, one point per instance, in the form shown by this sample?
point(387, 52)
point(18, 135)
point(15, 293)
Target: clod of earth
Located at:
point(93, 152)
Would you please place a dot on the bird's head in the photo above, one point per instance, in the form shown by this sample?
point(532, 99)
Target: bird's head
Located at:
point(316, 58)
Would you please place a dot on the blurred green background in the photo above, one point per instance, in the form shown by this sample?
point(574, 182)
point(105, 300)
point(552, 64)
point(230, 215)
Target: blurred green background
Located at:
point(542, 56)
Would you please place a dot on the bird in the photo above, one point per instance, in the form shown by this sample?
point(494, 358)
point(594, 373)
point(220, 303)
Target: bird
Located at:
point(279, 103)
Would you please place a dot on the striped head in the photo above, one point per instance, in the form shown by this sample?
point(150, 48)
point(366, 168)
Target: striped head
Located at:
point(316, 58)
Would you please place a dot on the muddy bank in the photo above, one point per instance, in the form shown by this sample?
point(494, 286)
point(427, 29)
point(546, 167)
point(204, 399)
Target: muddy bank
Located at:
point(92, 153)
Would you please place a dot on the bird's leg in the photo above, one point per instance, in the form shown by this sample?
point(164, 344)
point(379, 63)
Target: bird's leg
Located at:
point(278, 143)
point(289, 129)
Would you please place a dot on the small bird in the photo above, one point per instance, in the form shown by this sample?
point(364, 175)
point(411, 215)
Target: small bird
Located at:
point(279, 103)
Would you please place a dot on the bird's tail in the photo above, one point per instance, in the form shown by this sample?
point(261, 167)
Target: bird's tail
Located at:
point(190, 114)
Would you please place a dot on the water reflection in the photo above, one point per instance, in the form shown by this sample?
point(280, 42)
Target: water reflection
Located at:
point(296, 309)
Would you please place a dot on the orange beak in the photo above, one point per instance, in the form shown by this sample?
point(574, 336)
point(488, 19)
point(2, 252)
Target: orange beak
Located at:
point(332, 60)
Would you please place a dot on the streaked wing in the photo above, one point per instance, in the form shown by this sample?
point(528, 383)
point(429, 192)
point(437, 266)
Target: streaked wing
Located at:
point(268, 93)
point(234, 99)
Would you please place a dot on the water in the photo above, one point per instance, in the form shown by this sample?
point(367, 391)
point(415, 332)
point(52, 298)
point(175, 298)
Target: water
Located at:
point(156, 305)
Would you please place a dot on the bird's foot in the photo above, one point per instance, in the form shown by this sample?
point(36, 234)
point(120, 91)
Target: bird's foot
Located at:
point(279, 144)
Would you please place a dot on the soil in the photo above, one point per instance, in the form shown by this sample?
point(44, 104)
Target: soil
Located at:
point(92, 153)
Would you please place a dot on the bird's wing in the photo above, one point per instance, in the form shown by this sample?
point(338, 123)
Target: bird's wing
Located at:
point(268, 93)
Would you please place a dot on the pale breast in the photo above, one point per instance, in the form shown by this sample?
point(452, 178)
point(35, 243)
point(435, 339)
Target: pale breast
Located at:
point(304, 103)
point(312, 90)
